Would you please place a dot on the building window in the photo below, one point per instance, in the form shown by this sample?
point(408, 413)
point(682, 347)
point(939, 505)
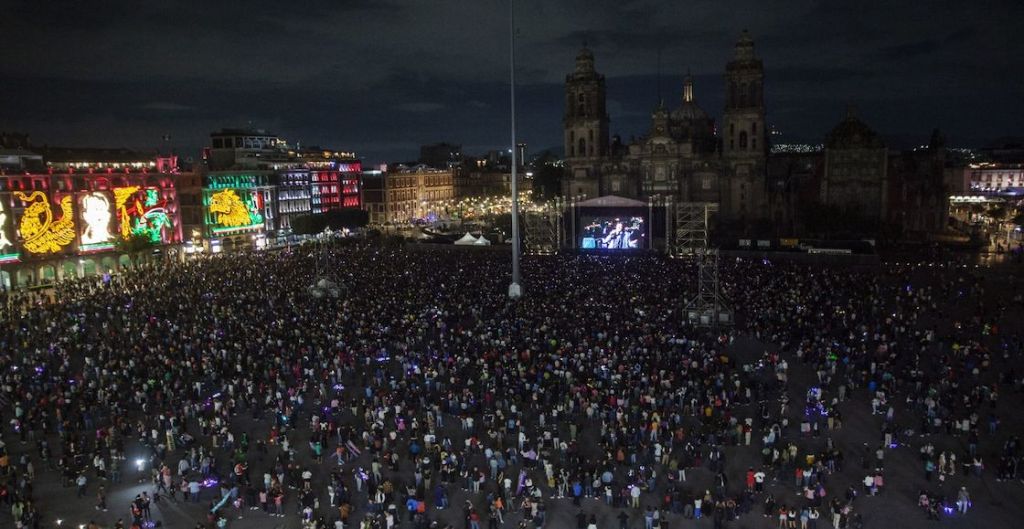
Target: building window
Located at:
point(743, 139)
point(582, 147)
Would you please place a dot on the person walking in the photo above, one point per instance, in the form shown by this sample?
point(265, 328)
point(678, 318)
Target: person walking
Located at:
point(81, 482)
point(963, 500)
point(101, 499)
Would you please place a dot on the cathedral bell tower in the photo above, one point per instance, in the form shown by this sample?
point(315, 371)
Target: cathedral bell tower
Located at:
point(586, 120)
point(744, 138)
point(744, 135)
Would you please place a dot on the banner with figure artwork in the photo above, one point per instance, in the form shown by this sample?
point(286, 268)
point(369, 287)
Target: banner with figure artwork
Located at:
point(97, 227)
point(8, 252)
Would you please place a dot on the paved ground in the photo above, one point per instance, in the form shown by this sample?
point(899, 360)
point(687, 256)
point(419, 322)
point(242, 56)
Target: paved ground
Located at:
point(996, 504)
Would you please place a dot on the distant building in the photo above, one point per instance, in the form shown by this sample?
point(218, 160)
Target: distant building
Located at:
point(441, 155)
point(70, 159)
point(1004, 150)
point(17, 155)
point(483, 183)
point(856, 170)
point(918, 195)
point(401, 195)
point(680, 156)
point(290, 181)
point(992, 178)
point(245, 149)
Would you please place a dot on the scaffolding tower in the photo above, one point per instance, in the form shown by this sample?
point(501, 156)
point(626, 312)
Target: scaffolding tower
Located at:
point(690, 236)
point(708, 308)
point(542, 231)
point(326, 281)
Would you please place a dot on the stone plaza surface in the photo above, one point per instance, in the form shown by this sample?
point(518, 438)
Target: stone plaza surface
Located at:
point(996, 504)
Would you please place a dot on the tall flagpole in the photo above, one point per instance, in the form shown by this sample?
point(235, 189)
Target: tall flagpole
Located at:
point(515, 289)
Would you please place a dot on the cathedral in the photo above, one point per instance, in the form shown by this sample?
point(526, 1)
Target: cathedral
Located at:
point(682, 155)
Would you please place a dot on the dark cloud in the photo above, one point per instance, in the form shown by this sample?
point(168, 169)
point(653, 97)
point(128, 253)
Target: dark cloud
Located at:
point(909, 50)
point(639, 39)
point(382, 77)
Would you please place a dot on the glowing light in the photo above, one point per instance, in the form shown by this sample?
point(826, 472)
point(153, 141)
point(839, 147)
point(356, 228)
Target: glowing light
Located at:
point(96, 216)
point(7, 250)
point(121, 196)
point(41, 232)
point(5, 242)
point(232, 212)
point(142, 213)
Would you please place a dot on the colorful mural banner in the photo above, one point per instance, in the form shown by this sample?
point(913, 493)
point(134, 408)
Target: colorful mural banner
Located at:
point(41, 233)
point(143, 211)
point(231, 211)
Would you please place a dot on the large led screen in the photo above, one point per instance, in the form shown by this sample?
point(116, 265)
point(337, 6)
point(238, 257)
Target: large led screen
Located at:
point(612, 232)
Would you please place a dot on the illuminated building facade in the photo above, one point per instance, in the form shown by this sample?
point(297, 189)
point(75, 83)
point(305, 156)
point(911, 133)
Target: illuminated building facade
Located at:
point(294, 197)
point(994, 178)
point(62, 225)
point(272, 179)
point(337, 187)
point(240, 209)
point(402, 196)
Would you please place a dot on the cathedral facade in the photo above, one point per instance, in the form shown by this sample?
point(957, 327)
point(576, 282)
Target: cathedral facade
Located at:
point(682, 155)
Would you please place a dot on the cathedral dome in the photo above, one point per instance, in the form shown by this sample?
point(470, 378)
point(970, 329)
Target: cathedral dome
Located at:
point(689, 112)
point(852, 133)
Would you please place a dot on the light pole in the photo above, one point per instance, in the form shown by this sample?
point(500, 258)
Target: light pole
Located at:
point(515, 289)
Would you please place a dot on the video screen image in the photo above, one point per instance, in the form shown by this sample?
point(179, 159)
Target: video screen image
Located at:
point(612, 233)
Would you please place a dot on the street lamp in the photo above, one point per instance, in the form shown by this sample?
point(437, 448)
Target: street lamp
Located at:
point(515, 290)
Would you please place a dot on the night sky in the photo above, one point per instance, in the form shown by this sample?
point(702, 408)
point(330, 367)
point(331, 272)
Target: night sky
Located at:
point(381, 77)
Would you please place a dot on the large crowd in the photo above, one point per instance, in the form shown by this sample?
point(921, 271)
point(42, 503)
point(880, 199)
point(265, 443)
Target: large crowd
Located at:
point(422, 397)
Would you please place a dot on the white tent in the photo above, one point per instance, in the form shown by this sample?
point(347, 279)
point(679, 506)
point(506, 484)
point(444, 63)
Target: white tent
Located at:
point(482, 241)
point(466, 239)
